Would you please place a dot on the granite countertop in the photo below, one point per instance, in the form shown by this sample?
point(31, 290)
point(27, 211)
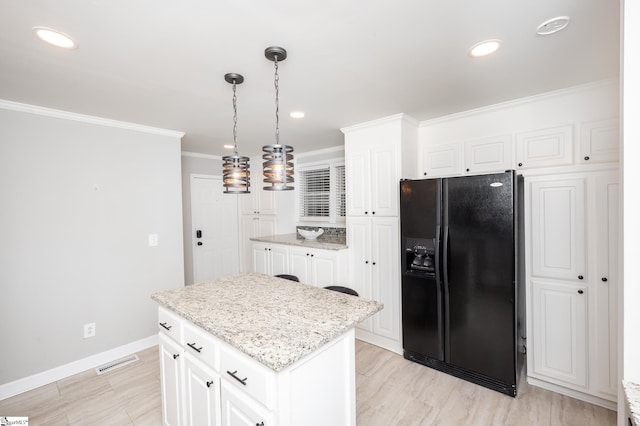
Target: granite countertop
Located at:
point(326, 242)
point(273, 320)
point(632, 394)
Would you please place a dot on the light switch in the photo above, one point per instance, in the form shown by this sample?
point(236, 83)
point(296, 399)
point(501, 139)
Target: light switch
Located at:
point(153, 240)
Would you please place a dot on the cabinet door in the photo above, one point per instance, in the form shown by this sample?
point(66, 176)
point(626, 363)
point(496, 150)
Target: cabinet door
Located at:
point(385, 275)
point(261, 258)
point(202, 394)
point(545, 148)
point(488, 155)
point(324, 265)
point(605, 283)
point(298, 260)
point(559, 332)
point(357, 182)
point(266, 201)
point(171, 380)
point(239, 409)
point(279, 260)
point(384, 184)
point(600, 141)
point(266, 226)
point(358, 234)
point(442, 160)
point(558, 229)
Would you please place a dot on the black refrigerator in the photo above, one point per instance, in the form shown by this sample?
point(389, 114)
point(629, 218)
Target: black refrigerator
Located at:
point(459, 293)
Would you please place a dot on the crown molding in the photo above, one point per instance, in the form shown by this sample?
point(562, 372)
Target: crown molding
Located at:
point(65, 115)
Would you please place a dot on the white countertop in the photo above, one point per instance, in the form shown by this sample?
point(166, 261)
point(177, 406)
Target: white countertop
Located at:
point(273, 320)
point(322, 242)
point(632, 394)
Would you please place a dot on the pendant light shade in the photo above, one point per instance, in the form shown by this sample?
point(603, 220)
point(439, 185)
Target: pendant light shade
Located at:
point(277, 168)
point(235, 168)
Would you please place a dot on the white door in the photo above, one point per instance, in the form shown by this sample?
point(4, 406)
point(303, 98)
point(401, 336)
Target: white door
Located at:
point(214, 221)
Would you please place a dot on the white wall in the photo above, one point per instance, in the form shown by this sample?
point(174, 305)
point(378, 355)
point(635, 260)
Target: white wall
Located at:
point(631, 179)
point(78, 198)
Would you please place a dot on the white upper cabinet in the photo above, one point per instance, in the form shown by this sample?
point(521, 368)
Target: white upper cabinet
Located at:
point(599, 141)
point(488, 155)
point(545, 148)
point(558, 229)
point(373, 169)
point(258, 201)
point(441, 160)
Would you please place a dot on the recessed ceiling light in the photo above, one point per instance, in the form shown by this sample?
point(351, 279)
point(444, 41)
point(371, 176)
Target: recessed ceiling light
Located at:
point(553, 25)
point(296, 114)
point(227, 146)
point(54, 38)
point(484, 48)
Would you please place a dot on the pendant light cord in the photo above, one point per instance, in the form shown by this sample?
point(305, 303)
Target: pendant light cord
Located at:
point(275, 82)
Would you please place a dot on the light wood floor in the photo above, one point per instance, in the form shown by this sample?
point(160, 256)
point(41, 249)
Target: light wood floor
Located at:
point(390, 391)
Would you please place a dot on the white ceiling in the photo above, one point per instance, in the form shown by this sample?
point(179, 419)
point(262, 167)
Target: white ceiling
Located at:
point(161, 63)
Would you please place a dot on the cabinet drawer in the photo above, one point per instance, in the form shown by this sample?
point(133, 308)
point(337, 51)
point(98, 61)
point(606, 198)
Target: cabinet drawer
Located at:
point(247, 374)
point(170, 324)
point(201, 345)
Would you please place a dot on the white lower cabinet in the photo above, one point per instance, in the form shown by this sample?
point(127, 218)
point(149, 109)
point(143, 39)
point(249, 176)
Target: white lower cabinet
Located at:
point(201, 393)
point(171, 378)
point(316, 267)
point(270, 259)
point(239, 410)
point(560, 332)
point(374, 274)
point(572, 233)
point(205, 381)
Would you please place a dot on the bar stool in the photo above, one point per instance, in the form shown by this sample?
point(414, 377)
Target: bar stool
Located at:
point(288, 277)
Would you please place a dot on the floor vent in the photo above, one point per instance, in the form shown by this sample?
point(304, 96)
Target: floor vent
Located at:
point(116, 364)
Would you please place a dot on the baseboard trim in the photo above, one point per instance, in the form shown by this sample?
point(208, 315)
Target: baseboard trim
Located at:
point(611, 405)
point(40, 379)
point(383, 342)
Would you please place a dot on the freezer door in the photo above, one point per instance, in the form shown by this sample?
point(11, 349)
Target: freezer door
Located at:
point(479, 276)
point(422, 314)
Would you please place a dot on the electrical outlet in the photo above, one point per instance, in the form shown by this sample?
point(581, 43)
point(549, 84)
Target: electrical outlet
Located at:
point(89, 330)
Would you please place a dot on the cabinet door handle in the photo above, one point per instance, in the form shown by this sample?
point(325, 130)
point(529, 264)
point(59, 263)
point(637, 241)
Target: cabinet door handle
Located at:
point(519, 164)
point(209, 384)
point(366, 261)
point(193, 346)
point(175, 356)
point(580, 291)
point(260, 424)
point(165, 326)
point(580, 277)
point(604, 279)
point(373, 263)
point(199, 243)
point(243, 381)
point(373, 212)
point(586, 158)
point(366, 212)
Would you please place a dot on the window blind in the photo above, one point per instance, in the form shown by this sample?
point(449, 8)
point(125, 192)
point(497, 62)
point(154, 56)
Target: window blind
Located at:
point(315, 193)
point(341, 193)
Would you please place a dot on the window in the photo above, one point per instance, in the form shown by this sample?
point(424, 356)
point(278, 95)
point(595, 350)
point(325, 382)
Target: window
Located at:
point(322, 193)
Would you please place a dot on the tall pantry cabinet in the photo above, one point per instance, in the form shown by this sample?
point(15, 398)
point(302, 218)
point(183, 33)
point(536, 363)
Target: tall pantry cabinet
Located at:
point(378, 154)
point(572, 235)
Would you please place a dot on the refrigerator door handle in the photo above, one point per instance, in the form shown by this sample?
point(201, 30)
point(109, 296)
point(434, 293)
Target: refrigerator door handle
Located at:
point(445, 274)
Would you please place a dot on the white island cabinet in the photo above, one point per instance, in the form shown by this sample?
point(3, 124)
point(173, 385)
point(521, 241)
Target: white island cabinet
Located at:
point(258, 350)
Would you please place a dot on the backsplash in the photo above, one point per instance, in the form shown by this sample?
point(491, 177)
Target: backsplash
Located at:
point(338, 235)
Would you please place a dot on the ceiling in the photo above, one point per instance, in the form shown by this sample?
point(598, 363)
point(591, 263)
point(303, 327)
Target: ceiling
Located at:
point(162, 63)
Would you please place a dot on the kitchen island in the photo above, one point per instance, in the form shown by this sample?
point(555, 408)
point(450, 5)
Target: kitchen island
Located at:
point(258, 350)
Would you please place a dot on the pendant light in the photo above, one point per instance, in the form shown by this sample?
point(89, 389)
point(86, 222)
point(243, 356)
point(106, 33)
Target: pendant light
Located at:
point(278, 166)
point(235, 169)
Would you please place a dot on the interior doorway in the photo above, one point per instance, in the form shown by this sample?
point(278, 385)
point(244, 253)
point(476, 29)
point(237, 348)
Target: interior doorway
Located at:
point(214, 227)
